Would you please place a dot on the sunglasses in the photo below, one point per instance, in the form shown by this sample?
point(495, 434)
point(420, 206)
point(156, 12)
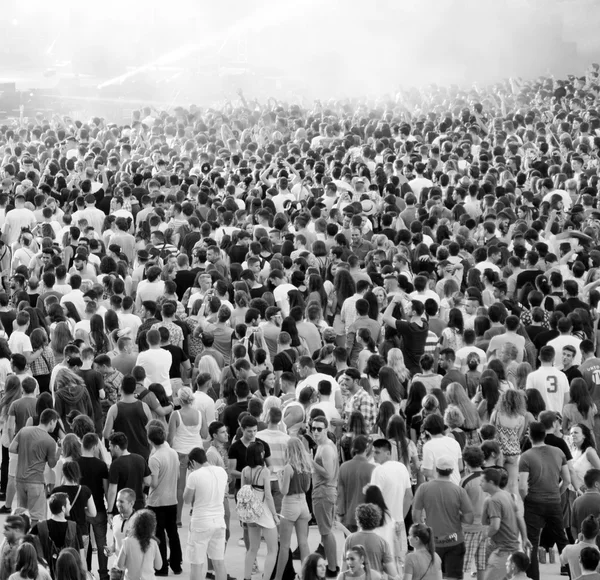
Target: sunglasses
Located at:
point(318, 429)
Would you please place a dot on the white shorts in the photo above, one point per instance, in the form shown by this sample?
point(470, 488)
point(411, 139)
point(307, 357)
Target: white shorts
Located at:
point(205, 543)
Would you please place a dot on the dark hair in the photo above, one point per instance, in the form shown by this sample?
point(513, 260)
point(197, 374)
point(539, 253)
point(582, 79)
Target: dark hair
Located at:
point(26, 561)
point(396, 431)
point(535, 402)
point(425, 534)
point(520, 560)
point(69, 565)
point(580, 396)
point(255, 454)
point(143, 526)
point(309, 568)
point(373, 495)
point(589, 558)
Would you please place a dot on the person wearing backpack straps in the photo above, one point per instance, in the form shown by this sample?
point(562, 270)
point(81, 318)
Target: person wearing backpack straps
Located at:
point(57, 532)
point(257, 475)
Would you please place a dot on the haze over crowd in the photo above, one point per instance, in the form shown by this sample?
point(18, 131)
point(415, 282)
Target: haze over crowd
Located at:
point(334, 48)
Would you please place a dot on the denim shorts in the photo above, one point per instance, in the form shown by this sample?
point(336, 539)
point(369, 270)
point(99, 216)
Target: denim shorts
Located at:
point(294, 507)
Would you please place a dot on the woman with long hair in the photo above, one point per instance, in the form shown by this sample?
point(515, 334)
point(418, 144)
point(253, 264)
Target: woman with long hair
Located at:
point(357, 563)
point(258, 476)
point(387, 525)
point(498, 367)
point(391, 389)
point(368, 347)
point(524, 369)
point(294, 482)
point(423, 563)
point(207, 364)
point(69, 565)
point(403, 449)
point(356, 427)
point(139, 555)
point(429, 406)
point(490, 394)
point(314, 568)
point(585, 456)
point(27, 566)
point(535, 403)
point(316, 291)
point(71, 314)
point(298, 343)
point(98, 340)
point(41, 367)
point(457, 397)
point(580, 408)
point(12, 392)
point(452, 335)
point(395, 360)
point(509, 418)
point(385, 412)
point(61, 336)
point(343, 288)
point(375, 363)
point(413, 404)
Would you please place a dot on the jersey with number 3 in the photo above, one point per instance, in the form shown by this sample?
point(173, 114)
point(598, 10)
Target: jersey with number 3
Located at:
point(552, 385)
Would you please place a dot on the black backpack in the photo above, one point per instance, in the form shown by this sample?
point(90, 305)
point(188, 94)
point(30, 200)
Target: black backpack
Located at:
point(49, 549)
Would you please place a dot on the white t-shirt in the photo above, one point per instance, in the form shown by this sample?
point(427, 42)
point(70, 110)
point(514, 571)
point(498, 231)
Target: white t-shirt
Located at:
point(204, 404)
point(393, 479)
point(131, 321)
point(208, 483)
point(156, 363)
point(281, 298)
point(314, 380)
point(443, 447)
point(552, 384)
point(559, 343)
point(19, 342)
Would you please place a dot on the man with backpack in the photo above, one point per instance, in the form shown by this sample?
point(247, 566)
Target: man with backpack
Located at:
point(205, 490)
point(57, 532)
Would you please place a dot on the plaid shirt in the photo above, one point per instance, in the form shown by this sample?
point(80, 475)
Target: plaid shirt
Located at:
point(363, 402)
point(112, 385)
point(44, 363)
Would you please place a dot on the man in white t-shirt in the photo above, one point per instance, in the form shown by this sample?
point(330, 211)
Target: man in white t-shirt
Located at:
point(19, 342)
point(202, 401)
point(552, 383)
point(563, 339)
point(205, 490)
point(438, 446)
point(393, 479)
point(326, 403)
point(281, 291)
point(156, 361)
point(311, 378)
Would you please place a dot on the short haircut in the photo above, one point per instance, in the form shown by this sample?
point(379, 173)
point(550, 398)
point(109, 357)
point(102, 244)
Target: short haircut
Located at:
point(473, 456)
point(537, 432)
point(382, 443)
point(275, 415)
point(57, 502)
point(198, 455)
point(434, 425)
point(47, 416)
point(214, 428)
point(589, 558)
point(119, 439)
point(156, 435)
point(591, 477)
point(128, 493)
point(492, 475)
point(89, 441)
point(368, 516)
point(360, 444)
point(242, 389)
point(248, 422)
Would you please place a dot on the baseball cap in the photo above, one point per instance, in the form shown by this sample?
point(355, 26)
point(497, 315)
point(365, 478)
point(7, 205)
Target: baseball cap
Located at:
point(444, 463)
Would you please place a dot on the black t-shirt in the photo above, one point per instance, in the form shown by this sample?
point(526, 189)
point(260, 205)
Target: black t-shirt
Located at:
point(553, 441)
point(93, 472)
point(184, 280)
point(231, 415)
point(257, 292)
point(94, 382)
point(129, 471)
point(414, 338)
point(238, 450)
point(77, 513)
point(284, 360)
point(178, 357)
point(58, 533)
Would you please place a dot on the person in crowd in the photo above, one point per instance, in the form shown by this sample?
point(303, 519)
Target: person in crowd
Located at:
point(205, 489)
point(543, 475)
point(162, 499)
point(423, 562)
point(448, 506)
point(121, 521)
point(139, 555)
point(587, 537)
point(14, 530)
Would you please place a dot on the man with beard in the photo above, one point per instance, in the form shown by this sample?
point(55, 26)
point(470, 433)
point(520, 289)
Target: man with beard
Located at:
point(272, 328)
point(82, 267)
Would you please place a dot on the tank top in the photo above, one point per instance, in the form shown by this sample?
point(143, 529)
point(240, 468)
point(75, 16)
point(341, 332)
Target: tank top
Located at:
point(187, 436)
point(132, 420)
point(299, 483)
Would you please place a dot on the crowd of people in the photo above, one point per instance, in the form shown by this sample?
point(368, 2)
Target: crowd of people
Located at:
point(377, 317)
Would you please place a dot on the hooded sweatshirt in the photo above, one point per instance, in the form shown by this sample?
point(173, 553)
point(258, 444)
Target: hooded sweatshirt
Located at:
point(72, 397)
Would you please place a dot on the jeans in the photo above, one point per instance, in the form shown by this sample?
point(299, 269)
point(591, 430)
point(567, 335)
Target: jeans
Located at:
point(166, 526)
point(537, 515)
point(99, 525)
point(32, 497)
